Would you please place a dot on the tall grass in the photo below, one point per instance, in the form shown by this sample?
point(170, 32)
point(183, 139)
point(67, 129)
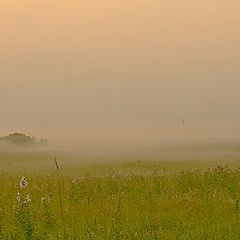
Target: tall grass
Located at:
point(118, 201)
point(60, 197)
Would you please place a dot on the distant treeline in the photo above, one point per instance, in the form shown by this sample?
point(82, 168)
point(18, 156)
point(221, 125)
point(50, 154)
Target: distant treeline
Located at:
point(22, 139)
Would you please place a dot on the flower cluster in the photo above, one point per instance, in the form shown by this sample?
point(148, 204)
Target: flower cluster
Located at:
point(21, 198)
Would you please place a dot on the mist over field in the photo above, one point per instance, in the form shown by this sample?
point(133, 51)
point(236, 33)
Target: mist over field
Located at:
point(120, 72)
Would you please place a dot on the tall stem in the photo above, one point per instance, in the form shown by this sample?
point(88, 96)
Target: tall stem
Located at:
point(60, 198)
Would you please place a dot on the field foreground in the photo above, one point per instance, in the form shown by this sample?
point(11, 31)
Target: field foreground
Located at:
point(119, 200)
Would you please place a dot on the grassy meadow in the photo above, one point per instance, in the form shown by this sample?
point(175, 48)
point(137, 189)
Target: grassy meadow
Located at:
point(178, 193)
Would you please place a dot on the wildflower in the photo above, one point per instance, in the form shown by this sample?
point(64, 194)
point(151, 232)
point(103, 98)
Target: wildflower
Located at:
point(23, 183)
point(45, 200)
point(28, 200)
point(18, 197)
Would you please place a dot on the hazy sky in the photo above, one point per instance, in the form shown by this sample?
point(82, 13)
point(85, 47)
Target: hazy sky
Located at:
point(91, 64)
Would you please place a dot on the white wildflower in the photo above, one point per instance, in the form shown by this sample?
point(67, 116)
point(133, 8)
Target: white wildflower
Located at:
point(23, 183)
point(18, 199)
point(45, 200)
point(28, 200)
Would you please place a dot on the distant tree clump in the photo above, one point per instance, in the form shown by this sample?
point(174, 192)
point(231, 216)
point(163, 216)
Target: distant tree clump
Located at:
point(22, 139)
point(43, 141)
